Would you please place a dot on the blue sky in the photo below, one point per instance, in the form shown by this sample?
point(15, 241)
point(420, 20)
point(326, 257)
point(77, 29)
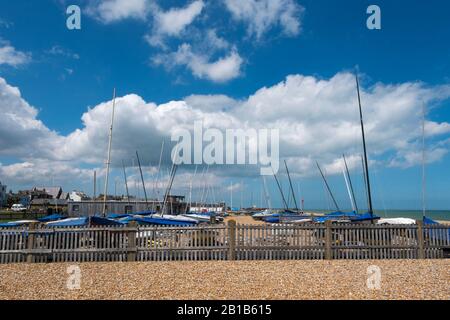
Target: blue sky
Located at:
point(68, 71)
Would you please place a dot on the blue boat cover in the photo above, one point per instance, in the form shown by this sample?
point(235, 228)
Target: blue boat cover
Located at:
point(364, 217)
point(439, 233)
point(53, 217)
point(10, 224)
point(117, 216)
point(162, 221)
point(84, 221)
point(342, 214)
point(144, 213)
point(427, 220)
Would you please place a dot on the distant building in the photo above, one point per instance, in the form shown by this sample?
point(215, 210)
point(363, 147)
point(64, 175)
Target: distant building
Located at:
point(49, 206)
point(3, 195)
point(53, 192)
point(86, 208)
point(77, 196)
point(44, 199)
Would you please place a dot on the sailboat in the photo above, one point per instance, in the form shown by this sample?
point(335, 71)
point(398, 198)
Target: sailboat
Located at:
point(267, 212)
point(353, 217)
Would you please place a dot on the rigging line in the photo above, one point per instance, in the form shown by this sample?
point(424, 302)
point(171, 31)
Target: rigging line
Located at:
point(292, 188)
point(365, 149)
point(328, 187)
point(351, 184)
point(126, 182)
point(142, 179)
point(108, 163)
point(281, 190)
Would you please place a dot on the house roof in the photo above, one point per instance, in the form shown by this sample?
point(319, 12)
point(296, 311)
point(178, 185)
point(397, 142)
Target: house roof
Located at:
point(52, 191)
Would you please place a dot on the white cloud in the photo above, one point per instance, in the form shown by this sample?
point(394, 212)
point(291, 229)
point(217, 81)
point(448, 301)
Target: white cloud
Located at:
point(262, 15)
point(109, 11)
point(57, 50)
point(21, 133)
point(318, 120)
point(10, 56)
point(222, 70)
point(37, 172)
point(172, 22)
point(211, 103)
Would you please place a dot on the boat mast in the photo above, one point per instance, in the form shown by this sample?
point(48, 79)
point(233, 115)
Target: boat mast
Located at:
point(423, 163)
point(95, 185)
point(267, 193)
point(351, 185)
point(190, 189)
point(366, 165)
point(281, 190)
point(159, 170)
point(290, 183)
point(171, 177)
point(328, 187)
point(231, 195)
point(126, 181)
point(108, 163)
point(142, 179)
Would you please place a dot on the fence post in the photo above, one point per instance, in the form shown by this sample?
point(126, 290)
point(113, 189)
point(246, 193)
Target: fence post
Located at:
point(420, 240)
point(30, 242)
point(132, 249)
point(232, 240)
point(328, 253)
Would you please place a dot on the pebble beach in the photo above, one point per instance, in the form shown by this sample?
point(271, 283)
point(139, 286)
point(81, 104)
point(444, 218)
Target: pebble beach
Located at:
point(223, 280)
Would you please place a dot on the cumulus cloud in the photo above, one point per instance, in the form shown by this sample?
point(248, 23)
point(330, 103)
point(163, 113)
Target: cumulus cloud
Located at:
point(172, 22)
point(38, 171)
point(221, 70)
point(21, 133)
point(11, 56)
point(109, 11)
point(262, 15)
point(318, 120)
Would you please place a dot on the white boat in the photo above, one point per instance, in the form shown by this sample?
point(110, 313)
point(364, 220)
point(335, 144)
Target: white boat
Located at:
point(173, 217)
point(263, 214)
point(396, 221)
point(199, 217)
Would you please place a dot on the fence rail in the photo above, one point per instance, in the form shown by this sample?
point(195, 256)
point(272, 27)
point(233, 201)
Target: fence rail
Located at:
point(39, 244)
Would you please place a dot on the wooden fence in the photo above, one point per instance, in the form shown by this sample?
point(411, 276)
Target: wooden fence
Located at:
point(223, 242)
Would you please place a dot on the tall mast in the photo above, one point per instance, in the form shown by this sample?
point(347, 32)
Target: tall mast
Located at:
point(190, 189)
point(290, 183)
point(328, 187)
point(171, 177)
point(231, 195)
point(126, 182)
point(267, 193)
point(351, 185)
point(366, 165)
point(281, 190)
point(108, 163)
point(95, 184)
point(423, 163)
point(142, 179)
point(159, 169)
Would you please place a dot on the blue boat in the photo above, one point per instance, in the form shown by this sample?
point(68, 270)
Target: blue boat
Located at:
point(53, 217)
point(84, 221)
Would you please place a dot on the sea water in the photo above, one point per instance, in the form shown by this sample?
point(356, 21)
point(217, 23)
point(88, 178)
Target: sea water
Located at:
point(413, 214)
